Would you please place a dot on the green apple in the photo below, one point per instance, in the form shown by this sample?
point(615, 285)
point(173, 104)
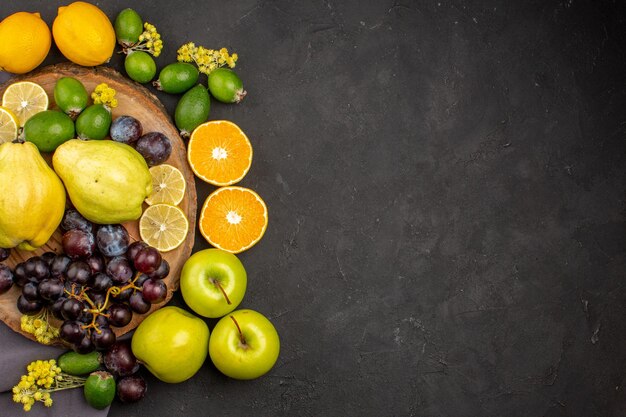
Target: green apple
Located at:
point(171, 343)
point(244, 345)
point(213, 282)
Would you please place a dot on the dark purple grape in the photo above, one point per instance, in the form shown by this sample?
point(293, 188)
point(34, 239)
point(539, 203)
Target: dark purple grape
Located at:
point(73, 288)
point(73, 220)
point(6, 278)
point(59, 265)
point(124, 295)
point(104, 339)
point(86, 316)
point(55, 308)
point(29, 308)
point(50, 289)
point(97, 298)
point(48, 257)
point(36, 268)
point(119, 270)
point(120, 361)
point(72, 309)
point(138, 303)
point(4, 254)
point(131, 389)
point(102, 321)
point(19, 274)
point(112, 240)
point(96, 263)
point(30, 291)
point(141, 279)
point(162, 271)
point(147, 260)
point(85, 345)
point(72, 332)
point(126, 129)
point(155, 147)
point(101, 282)
point(134, 248)
point(78, 272)
point(154, 291)
point(120, 315)
point(78, 243)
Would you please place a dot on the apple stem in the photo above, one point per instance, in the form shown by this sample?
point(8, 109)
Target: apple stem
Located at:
point(218, 285)
point(241, 338)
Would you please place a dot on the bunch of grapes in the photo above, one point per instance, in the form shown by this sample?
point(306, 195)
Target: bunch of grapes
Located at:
point(96, 284)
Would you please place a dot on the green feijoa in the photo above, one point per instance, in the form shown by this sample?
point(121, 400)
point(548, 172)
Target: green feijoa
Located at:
point(177, 78)
point(192, 110)
point(94, 122)
point(71, 96)
point(99, 389)
point(128, 27)
point(74, 363)
point(140, 66)
point(226, 86)
point(48, 129)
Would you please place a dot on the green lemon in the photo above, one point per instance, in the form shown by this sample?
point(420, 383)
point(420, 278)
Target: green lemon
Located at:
point(48, 129)
point(192, 110)
point(71, 96)
point(128, 27)
point(177, 78)
point(94, 122)
point(140, 66)
point(226, 86)
point(99, 389)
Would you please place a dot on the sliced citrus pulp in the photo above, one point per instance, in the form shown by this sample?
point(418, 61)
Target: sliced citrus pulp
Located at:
point(25, 99)
point(9, 125)
point(163, 227)
point(168, 185)
point(233, 219)
point(219, 152)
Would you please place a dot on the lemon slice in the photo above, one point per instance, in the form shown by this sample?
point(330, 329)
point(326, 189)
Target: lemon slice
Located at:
point(9, 125)
point(25, 99)
point(163, 227)
point(168, 185)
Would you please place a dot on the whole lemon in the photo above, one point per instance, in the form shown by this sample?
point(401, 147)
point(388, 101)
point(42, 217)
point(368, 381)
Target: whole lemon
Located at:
point(25, 42)
point(84, 34)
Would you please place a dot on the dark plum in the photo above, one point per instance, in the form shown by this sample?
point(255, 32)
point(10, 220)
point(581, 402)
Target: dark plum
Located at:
point(147, 260)
point(119, 270)
point(155, 147)
point(6, 278)
point(154, 291)
point(50, 289)
point(78, 272)
point(120, 361)
point(73, 220)
point(120, 315)
point(131, 389)
point(112, 240)
point(28, 307)
point(126, 129)
point(78, 243)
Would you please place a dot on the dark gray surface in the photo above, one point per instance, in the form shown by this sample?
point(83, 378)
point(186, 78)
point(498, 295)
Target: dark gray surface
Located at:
point(445, 182)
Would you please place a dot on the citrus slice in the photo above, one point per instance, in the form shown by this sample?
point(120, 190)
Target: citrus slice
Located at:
point(168, 185)
point(233, 219)
point(163, 227)
point(9, 125)
point(219, 152)
point(25, 99)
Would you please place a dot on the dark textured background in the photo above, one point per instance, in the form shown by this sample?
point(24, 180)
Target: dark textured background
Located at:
point(445, 182)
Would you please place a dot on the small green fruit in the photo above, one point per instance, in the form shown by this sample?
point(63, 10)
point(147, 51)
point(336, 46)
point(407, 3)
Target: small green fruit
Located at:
point(99, 389)
point(226, 86)
point(192, 110)
point(128, 27)
point(71, 96)
point(48, 129)
point(74, 363)
point(177, 78)
point(140, 66)
point(94, 122)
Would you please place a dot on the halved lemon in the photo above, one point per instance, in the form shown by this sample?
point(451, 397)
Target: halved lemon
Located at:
point(163, 227)
point(25, 99)
point(168, 185)
point(233, 219)
point(9, 125)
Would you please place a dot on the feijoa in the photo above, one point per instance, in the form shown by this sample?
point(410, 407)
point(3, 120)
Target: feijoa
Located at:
point(94, 122)
point(48, 129)
point(99, 389)
point(192, 110)
point(79, 364)
point(177, 78)
point(226, 86)
point(140, 66)
point(128, 27)
point(71, 96)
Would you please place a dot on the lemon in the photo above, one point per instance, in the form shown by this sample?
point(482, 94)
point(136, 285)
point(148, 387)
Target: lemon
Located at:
point(25, 42)
point(84, 34)
point(25, 99)
point(9, 125)
point(163, 227)
point(168, 185)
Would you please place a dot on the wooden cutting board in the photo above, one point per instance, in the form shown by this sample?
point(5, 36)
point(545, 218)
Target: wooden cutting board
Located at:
point(137, 101)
